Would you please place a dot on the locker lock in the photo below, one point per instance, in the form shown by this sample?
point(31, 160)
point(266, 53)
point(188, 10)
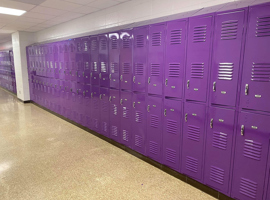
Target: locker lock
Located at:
point(133, 104)
point(165, 112)
point(187, 84)
point(149, 79)
point(211, 123)
point(121, 101)
point(148, 108)
point(133, 79)
point(166, 82)
point(186, 117)
point(242, 129)
point(246, 89)
point(214, 86)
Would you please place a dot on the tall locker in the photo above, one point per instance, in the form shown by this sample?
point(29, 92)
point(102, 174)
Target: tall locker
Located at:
point(198, 57)
point(115, 114)
point(175, 58)
point(126, 118)
point(50, 62)
point(256, 70)
point(66, 55)
point(68, 91)
point(219, 144)
point(95, 107)
point(104, 61)
point(78, 56)
point(85, 63)
point(140, 55)
point(94, 54)
point(61, 61)
point(74, 111)
point(104, 111)
point(63, 98)
point(114, 54)
point(87, 106)
point(80, 103)
point(193, 140)
point(171, 135)
point(154, 128)
point(157, 36)
point(251, 152)
point(72, 54)
point(139, 122)
point(54, 68)
point(126, 46)
point(227, 55)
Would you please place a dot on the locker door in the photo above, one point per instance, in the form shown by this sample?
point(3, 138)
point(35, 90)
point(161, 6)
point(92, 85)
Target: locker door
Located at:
point(67, 75)
point(219, 142)
point(68, 91)
point(85, 60)
point(66, 55)
point(87, 106)
point(86, 72)
point(104, 61)
point(252, 143)
point(172, 133)
point(140, 55)
point(139, 122)
point(154, 128)
point(80, 103)
point(63, 98)
point(61, 70)
point(198, 57)
point(193, 140)
point(73, 75)
point(58, 106)
point(175, 58)
point(114, 54)
point(73, 103)
point(104, 111)
point(72, 54)
point(156, 63)
point(95, 108)
point(126, 59)
point(79, 52)
point(126, 118)
point(52, 99)
point(256, 70)
point(114, 114)
point(227, 53)
point(95, 70)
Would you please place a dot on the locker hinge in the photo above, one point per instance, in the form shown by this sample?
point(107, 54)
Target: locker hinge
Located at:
point(133, 79)
point(121, 77)
point(186, 117)
point(165, 112)
point(100, 96)
point(187, 84)
point(242, 129)
point(166, 82)
point(148, 108)
point(91, 74)
point(121, 101)
point(211, 123)
point(83, 74)
point(110, 76)
point(246, 89)
point(110, 98)
point(149, 79)
point(133, 104)
point(91, 94)
point(214, 86)
point(99, 75)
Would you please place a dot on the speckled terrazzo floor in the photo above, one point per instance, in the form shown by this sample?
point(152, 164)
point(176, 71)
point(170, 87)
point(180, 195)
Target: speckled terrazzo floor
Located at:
point(44, 157)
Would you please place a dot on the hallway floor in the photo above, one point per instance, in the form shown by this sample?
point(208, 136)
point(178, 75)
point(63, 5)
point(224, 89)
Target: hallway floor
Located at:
point(44, 157)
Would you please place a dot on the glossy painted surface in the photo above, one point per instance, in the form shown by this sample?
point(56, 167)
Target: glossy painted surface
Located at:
point(104, 61)
point(115, 115)
point(104, 111)
point(114, 58)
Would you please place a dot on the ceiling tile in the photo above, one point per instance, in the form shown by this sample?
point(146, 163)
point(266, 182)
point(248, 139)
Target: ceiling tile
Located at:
point(6, 31)
point(28, 19)
point(103, 4)
point(62, 5)
point(16, 5)
point(48, 11)
point(38, 15)
point(67, 17)
point(34, 2)
point(82, 2)
point(85, 10)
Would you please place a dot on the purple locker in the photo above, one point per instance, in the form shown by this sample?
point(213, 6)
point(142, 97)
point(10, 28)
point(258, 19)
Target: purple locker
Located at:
point(95, 70)
point(85, 71)
point(157, 36)
point(114, 54)
point(80, 104)
point(126, 118)
point(63, 98)
point(87, 106)
point(61, 70)
point(66, 55)
point(95, 95)
point(67, 74)
point(250, 161)
point(79, 51)
point(68, 97)
point(172, 133)
point(126, 44)
point(154, 128)
point(73, 101)
point(198, 57)
point(140, 50)
point(139, 122)
point(58, 102)
point(256, 71)
point(45, 86)
point(115, 114)
point(219, 144)
point(72, 54)
point(54, 70)
point(73, 75)
point(193, 140)
point(104, 111)
point(104, 60)
point(227, 54)
point(175, 58)
point(268, 189)
point(52, 96)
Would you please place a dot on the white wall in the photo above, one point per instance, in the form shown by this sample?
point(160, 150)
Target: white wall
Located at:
point(6, 45)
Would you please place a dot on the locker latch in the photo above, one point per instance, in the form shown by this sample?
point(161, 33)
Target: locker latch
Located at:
point(242, 129)
point(149, 80)
point(99, 75)
point(84, 93)
point(121, 77)
point(246, 89)
point(187, 84)
point(211, 123)
point(100, 96)
point(148, 108)
point(91, 94)
point(133, 104)
point(110, 76)
point(83, 74)
point(166, 82)
point(110, 98)
point(133, 79)
point(91, 74)
point(214, 86)
point(186, 117)
point(165, 112)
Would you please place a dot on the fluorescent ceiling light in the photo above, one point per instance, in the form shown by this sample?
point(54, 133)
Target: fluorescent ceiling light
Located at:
point(11, 11)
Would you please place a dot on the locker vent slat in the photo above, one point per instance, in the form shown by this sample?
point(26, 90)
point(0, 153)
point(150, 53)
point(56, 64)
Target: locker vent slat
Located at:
point(94, 66)
point(155, 69)
point(156, 39)
point(103, 44)
point(139, 41)
point(114, 109)
point(154, 121)
point(193, 133)
point(220, 140)
point(217, 175)
point(153, 147)
point(105, 126)
point(114, 131)
point(104, 107)
point(94, 45)
point(248, 188)
point(125, 112)
point(95, 123)
point(252, 149)
point(114, 68)
point(103, 67)
point(138, 141)
point(114, 42)
point(125, 135)
point(174, 69)
point(96, 104)
point(139, 69)
point(171, 155)
point(229, 30)
point(225, 71)
point(260, 72)
point(171, 126)
point(126, 42)
point(126, 68)
point(192, 164)
point(85, 46)
point(197, 70)
point(78, 47)
point(199, 33)
point(176, 36)
point(138, 117)
point(263, 26)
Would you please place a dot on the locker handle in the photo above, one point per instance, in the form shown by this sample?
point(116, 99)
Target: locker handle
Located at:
point(121, 101)
point(134, 104)
point(99, 75)
point(214, 86)
point(148, 108)
point(91, 74)
point(121, 77)
point(186, 117)
point(83, 74)
point(84, 93)
point(133, 79)
point(110, 76)
point(166, 82)
point(187, 84)
point(110, 98)
point(242, 129)
point(246, 89)
point(165, 112)
point(211, 123)
point(77, 73)
point(100, 96)
point(149, 79)
point(91, 94)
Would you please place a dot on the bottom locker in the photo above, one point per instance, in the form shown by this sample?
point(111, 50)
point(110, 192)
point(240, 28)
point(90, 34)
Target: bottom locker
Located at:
point(114, 115)
point(87, 106)
point(104, 111)
point(80, 104)
point(172, 133)
point(95, 106)
point(73, 101)
point(251, 153)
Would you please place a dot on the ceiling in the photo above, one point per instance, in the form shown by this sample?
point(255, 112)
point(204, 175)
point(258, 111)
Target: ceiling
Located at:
point(42, 14)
